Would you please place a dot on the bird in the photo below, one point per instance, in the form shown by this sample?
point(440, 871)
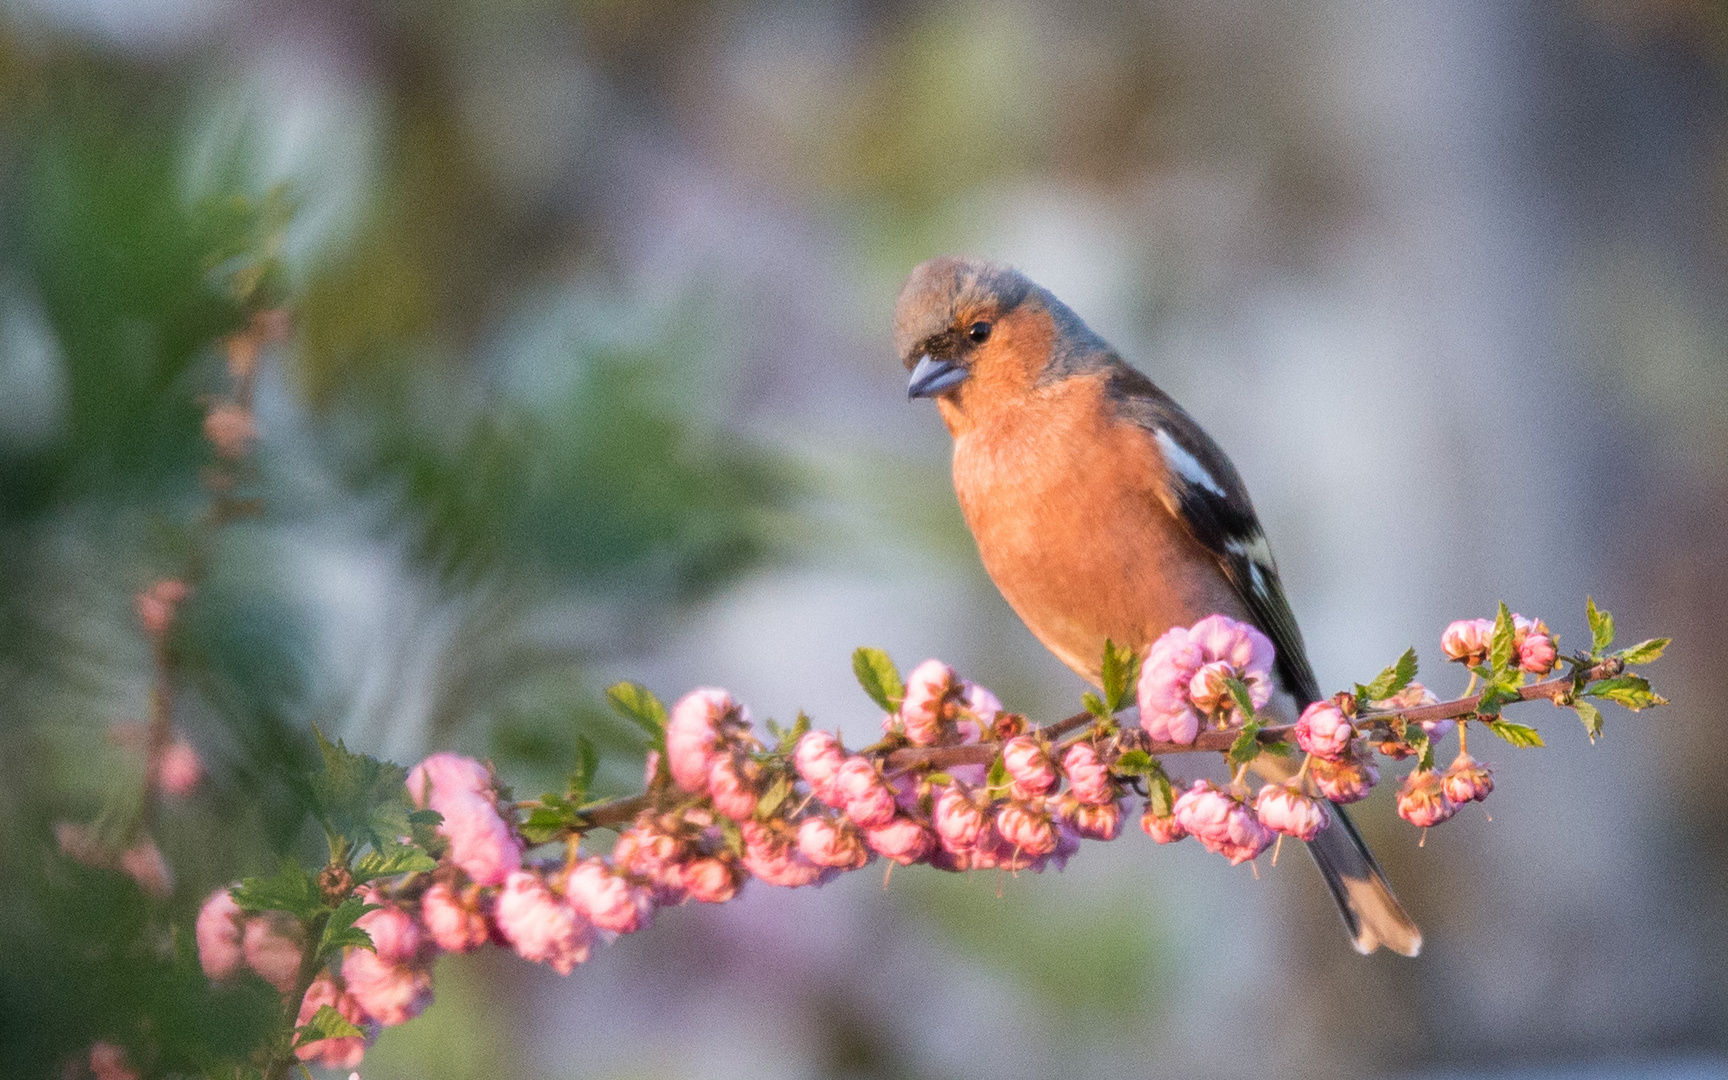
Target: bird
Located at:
point(1103, 511)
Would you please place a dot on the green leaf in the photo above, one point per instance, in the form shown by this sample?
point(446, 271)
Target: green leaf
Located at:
point(1244, 704)
point(1499, 692)
point(637, 704)
point(1278, 749)
point(1246, 747)
point(1632, 691)
point(1120, 671)
point(879, 677)
point(359, 797)
point(1500, 651)
point(730, 834)
point(1094, 704)
point(1518, 735)
point(341, 933)
point(1162, 798)
point(1591, 715)
point(998, 777)
point(554, 817)
point(1422, 744)
point(291, 889)
point(1393, 679)
point(1645, 651)
point(1136, 763)
point(1601, 627)
point(326, 1023)
point(778, 789)
point(390, 860)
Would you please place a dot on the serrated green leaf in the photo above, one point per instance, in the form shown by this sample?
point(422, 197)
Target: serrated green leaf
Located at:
point(291, 889)
point(1246, 747)
point(1591, 715)
point(326, 1023)
point(359, 797)
point(1518, 735)
point(554, 817)
point(1136, 763)
point(1121, 670)
point(1500, 651)
point(1632, 691)
point(772, 798)
point(1500, 692)
point(879, 677)
point(998, 776)
point(341, 933)
point(1645, 651)
point(1393, 679)
point(637, 704)
point(1161, 797)
point(1601, 627)
point(1419, 741)
point(391, 860)
point(1239, 694)
point(1094, 704)
point(1278, 749)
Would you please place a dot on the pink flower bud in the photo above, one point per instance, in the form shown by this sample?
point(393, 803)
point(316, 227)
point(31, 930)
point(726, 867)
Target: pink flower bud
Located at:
point(1088, 775)
point(482, 843)
point(108, 1062)
point(180, 769)
point(1284, 809)
point(710, 880)
point(1324, 731)
point(1165, 711)
point(648, 850)
point(1095, 821)
point(733, 780)
point(1165, 830)
point(1467, 641)
point(1467, 780)
point(867, 798)
point(231, 429)
point(982, 707)
point(903, 840)
point(818, 758)
point(1413, 696)
point(959, 822)
point(1346, 781)
point(218, 934)
point(341, 1053)
point(1029, 765)
point(832, 843)
point(693, 732)
point(456, 926)
point(396, 937)
point(445, 776)
point(542, 929)
point(157, 605)
point(775, 859)
point(1026, 828)
point(928, 690)
point(389, 994)
point(271, 941)
point(1221, 822)
point(1537, 654)
point(607, 900)
point(1207, 690)
point(1422, 800)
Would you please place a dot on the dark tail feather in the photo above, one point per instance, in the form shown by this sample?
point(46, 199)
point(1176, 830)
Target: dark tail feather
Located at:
point(1372, 915)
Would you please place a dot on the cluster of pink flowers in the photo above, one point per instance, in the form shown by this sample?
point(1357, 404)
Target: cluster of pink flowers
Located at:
point(1468, 641)
point(1183, 680)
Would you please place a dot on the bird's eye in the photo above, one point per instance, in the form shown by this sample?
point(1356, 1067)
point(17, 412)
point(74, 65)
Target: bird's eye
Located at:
point(978, 333)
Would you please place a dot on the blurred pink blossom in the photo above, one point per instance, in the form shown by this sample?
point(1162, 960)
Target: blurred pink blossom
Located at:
point(541, 927)
point(1165, 830)
point(733, 780)
point(693, 734)
point(396, 936)
point(833, 843)
point(218, 935)
point(143, 863)
point(1346, 781)
point(710, 880)
point(1026, 828)
point(818, 758)
point(1030, 767)
point(605, 899)
point(775, 859)
point(157, 605)
point(271, 941)
point(231, 429)
point(180, 769)
point(108, 1062)
point(959, 821)
point(456, 926)
point(388, 993)
point(903, 840)
point(1088, 774)
point(1414, 696)
point(928, 690)
point(1422, 799)
point(1095, 821)
point(339, 1053)
point(983, 706)
point(867, 798)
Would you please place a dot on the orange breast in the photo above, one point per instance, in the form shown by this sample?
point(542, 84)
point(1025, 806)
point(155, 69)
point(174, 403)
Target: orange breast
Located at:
point(1062, 499)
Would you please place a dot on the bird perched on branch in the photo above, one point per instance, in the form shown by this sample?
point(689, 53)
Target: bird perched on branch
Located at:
point(1103, 511)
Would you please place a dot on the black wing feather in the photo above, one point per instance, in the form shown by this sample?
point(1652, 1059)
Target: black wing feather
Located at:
point(1207, 495)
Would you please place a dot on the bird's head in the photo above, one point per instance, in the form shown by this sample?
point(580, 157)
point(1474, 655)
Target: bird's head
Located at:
point(973, 332)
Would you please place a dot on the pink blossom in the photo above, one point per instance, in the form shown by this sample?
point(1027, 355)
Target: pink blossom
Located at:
point(832, 843)
point(928, 690)
point(456, 926)
point(959, 822)
point(650, 768)
point(710, 880)
point(1029, 765)
point(1414, 696)
point(339, 1053)
point(446, 775)
point(1535, 646)
point(143, 863)
point(607, 900)
point(982, 706)
point(775, 859)
point(157, 605)
point(180, 769)
point(1467, 641)
point(231, 429)
point(482, 843)
point(1221, 822)
point(1088, 775)
point(1284, 809)
point(272, 941)
point(1026, 828)
point(1346, 781)
point(1095, 821)
point(818, 758)
point(867, 798)
point(389, 994)
point(903, 840)
point(1422, 799)
point(1324, 731)
point(1207, 690)
point(218, 934)
point(1165, 830)
point(396, 937)
point(733, 780)
point(1467, 780)
point(108, 1062)
point(1168, 710)
point(541, 928)
point(693, 735)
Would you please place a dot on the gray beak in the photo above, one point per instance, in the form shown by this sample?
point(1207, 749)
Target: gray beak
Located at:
point(932, 377)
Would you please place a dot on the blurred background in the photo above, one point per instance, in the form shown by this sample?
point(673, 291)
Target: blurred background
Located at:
point(591, 378)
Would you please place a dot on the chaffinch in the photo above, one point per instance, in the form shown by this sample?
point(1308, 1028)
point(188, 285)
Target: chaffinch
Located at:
point(1102, 510)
